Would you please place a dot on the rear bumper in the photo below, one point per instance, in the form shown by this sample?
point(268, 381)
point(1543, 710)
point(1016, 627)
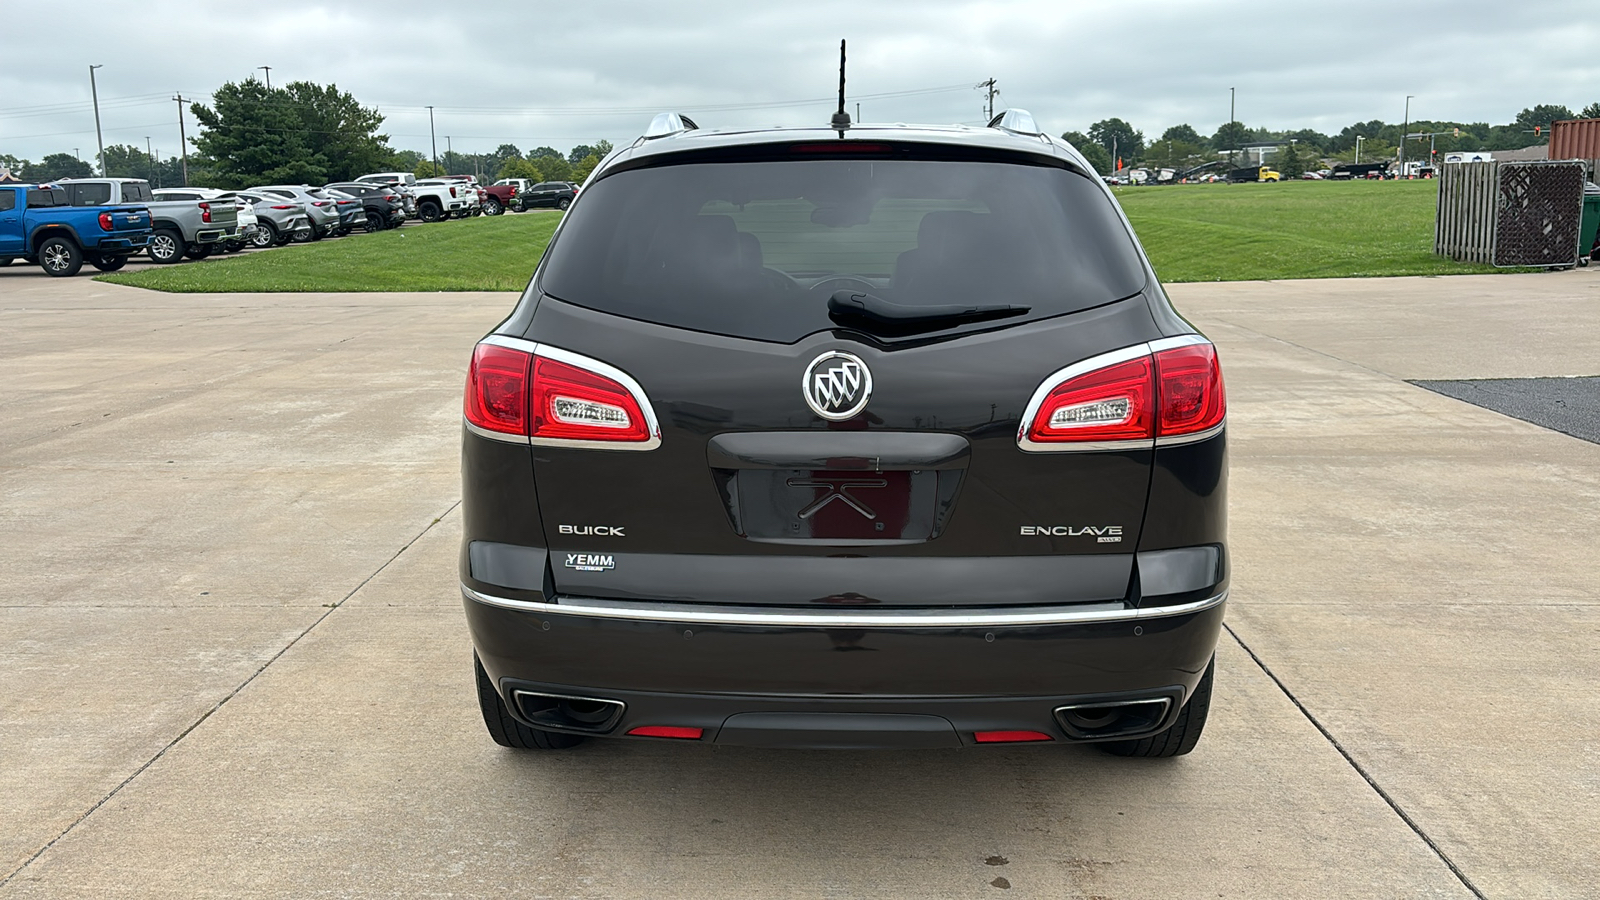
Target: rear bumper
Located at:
point(123, 244)
point(942, 675)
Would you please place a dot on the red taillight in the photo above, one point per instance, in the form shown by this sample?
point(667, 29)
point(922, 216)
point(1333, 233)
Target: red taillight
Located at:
point(572, 403)
point(282, 206)
point(320, 202)
point(668, 731)
point(1191, 391)
point(452, 192)
point(205, 212)
point(1010, 737)
point(1132, 396)
point(105, 221)
point(497, 389)
point(1114, 403)
point(513, 190)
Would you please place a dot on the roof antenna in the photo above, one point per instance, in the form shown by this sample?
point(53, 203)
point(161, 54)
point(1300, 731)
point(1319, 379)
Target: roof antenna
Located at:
point(841, 119)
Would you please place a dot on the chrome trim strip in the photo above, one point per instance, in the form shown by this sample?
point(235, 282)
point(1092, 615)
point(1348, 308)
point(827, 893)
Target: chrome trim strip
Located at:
point(521, 439)
point(599, 368)
point(1179, 439)
point(745, 615)
point(1172, 343)
point(1083, 367)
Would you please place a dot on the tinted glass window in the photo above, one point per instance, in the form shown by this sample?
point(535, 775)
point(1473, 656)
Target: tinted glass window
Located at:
point(8, 200)
point(755, 249)
point(89, 194)
point(136, 192)
point(45, 197)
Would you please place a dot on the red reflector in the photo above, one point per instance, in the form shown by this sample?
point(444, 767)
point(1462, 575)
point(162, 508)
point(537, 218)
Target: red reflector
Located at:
point(1010, 737)
point(840, 147)
point(497, 389)
point(668, 731)
point(105, 221)
point(570, 403)
point(1191, 391)
point(1115, 403)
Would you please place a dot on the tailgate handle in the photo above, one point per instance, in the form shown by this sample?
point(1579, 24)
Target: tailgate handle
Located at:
point(838, 450)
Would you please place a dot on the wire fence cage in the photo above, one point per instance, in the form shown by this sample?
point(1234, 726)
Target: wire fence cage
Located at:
point(1511, 214)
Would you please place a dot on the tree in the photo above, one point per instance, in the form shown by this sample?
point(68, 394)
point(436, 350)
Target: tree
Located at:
point(603, 148)
point(18, 168)
point(577, 153)
point(584, 167)
point(545, 153)
point(128, 161)
point(1092, 152)
point(405, 160)
point(522, 168)
point(1592, 111)
point(1539, 117)
point(1231, 136)
point(60, 165)
point(1290, 164)
point(1118, 138)
point(424, 169)
point(300, 133)
point(1183, 134)
point(1174, 154)
point(555, 168)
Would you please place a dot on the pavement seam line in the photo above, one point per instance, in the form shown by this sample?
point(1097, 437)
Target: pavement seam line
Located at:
point(1360, 770)
point(229, 696)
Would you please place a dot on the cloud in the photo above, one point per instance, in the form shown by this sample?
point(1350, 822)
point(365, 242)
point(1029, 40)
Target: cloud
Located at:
point(499, 72)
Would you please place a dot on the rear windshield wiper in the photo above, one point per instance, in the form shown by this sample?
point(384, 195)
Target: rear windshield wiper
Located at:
point(875, 309)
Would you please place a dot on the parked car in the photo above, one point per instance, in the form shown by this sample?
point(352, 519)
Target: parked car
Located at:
point(39, 224)
point(550, 195)
point(192, 228)
point(438, 200)
point(402, 183)
point(249, 223)
point(759, 460)
point(384, 204)
point(279, 220)
point(322, 209)
point(510, 199)
point(352, 212)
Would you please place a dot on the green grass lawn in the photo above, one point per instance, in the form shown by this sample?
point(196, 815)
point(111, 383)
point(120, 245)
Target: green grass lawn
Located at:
point(486, 253)
point(1202, 232)
point(1293, 229)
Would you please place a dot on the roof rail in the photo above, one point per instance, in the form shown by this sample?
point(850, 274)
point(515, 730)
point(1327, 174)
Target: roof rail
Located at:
point(1016, 121)
point(667, 124)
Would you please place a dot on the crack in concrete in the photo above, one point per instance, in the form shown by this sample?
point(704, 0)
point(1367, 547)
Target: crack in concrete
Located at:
point(1405, 817)
point(229, 696)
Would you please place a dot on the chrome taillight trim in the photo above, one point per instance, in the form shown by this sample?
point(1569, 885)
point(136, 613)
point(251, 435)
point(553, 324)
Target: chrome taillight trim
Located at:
point(1084, 367)
point(689, 614)
point(590, 364)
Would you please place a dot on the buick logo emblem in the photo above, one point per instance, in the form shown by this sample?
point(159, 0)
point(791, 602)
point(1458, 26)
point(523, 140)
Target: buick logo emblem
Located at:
point(837, 385)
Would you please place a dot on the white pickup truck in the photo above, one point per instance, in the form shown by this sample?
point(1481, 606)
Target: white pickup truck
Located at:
point(182, 227)
point(435, 200)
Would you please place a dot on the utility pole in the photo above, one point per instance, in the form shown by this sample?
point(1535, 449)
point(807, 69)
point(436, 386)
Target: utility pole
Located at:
point(449, 155)
point(95, 93)
point(1232, 120)
point(183, 139)
point(1403, 129)
point(433, 142)
point(989, 102)
point(1358, 149)
point(858, 112)
point(152, 154)
point(268, 70)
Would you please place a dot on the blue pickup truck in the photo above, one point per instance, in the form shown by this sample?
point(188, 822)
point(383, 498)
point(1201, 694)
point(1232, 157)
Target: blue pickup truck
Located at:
point(39, 224)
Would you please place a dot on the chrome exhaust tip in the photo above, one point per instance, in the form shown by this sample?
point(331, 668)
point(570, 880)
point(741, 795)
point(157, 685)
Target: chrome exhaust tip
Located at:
point(593, 715)
point(1115, 718)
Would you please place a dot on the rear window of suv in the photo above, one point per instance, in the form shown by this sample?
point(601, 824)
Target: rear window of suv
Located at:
point(755, 249)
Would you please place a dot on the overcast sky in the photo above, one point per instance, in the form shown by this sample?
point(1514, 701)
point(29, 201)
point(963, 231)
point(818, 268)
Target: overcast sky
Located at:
point(563, 74)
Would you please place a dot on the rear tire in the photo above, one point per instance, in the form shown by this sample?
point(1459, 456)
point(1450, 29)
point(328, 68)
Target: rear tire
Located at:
point(5, 261)
point(564, 203)
point(108, 262)
point(199, 251)
point(60, 257)
point(430, 212)
point(166, 246)
point(266, 235)
point(508, 732)
point(492, 207)
point(1184, 733)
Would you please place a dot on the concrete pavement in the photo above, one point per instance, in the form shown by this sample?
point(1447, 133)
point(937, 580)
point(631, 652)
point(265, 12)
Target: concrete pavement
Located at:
point(232, 661)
